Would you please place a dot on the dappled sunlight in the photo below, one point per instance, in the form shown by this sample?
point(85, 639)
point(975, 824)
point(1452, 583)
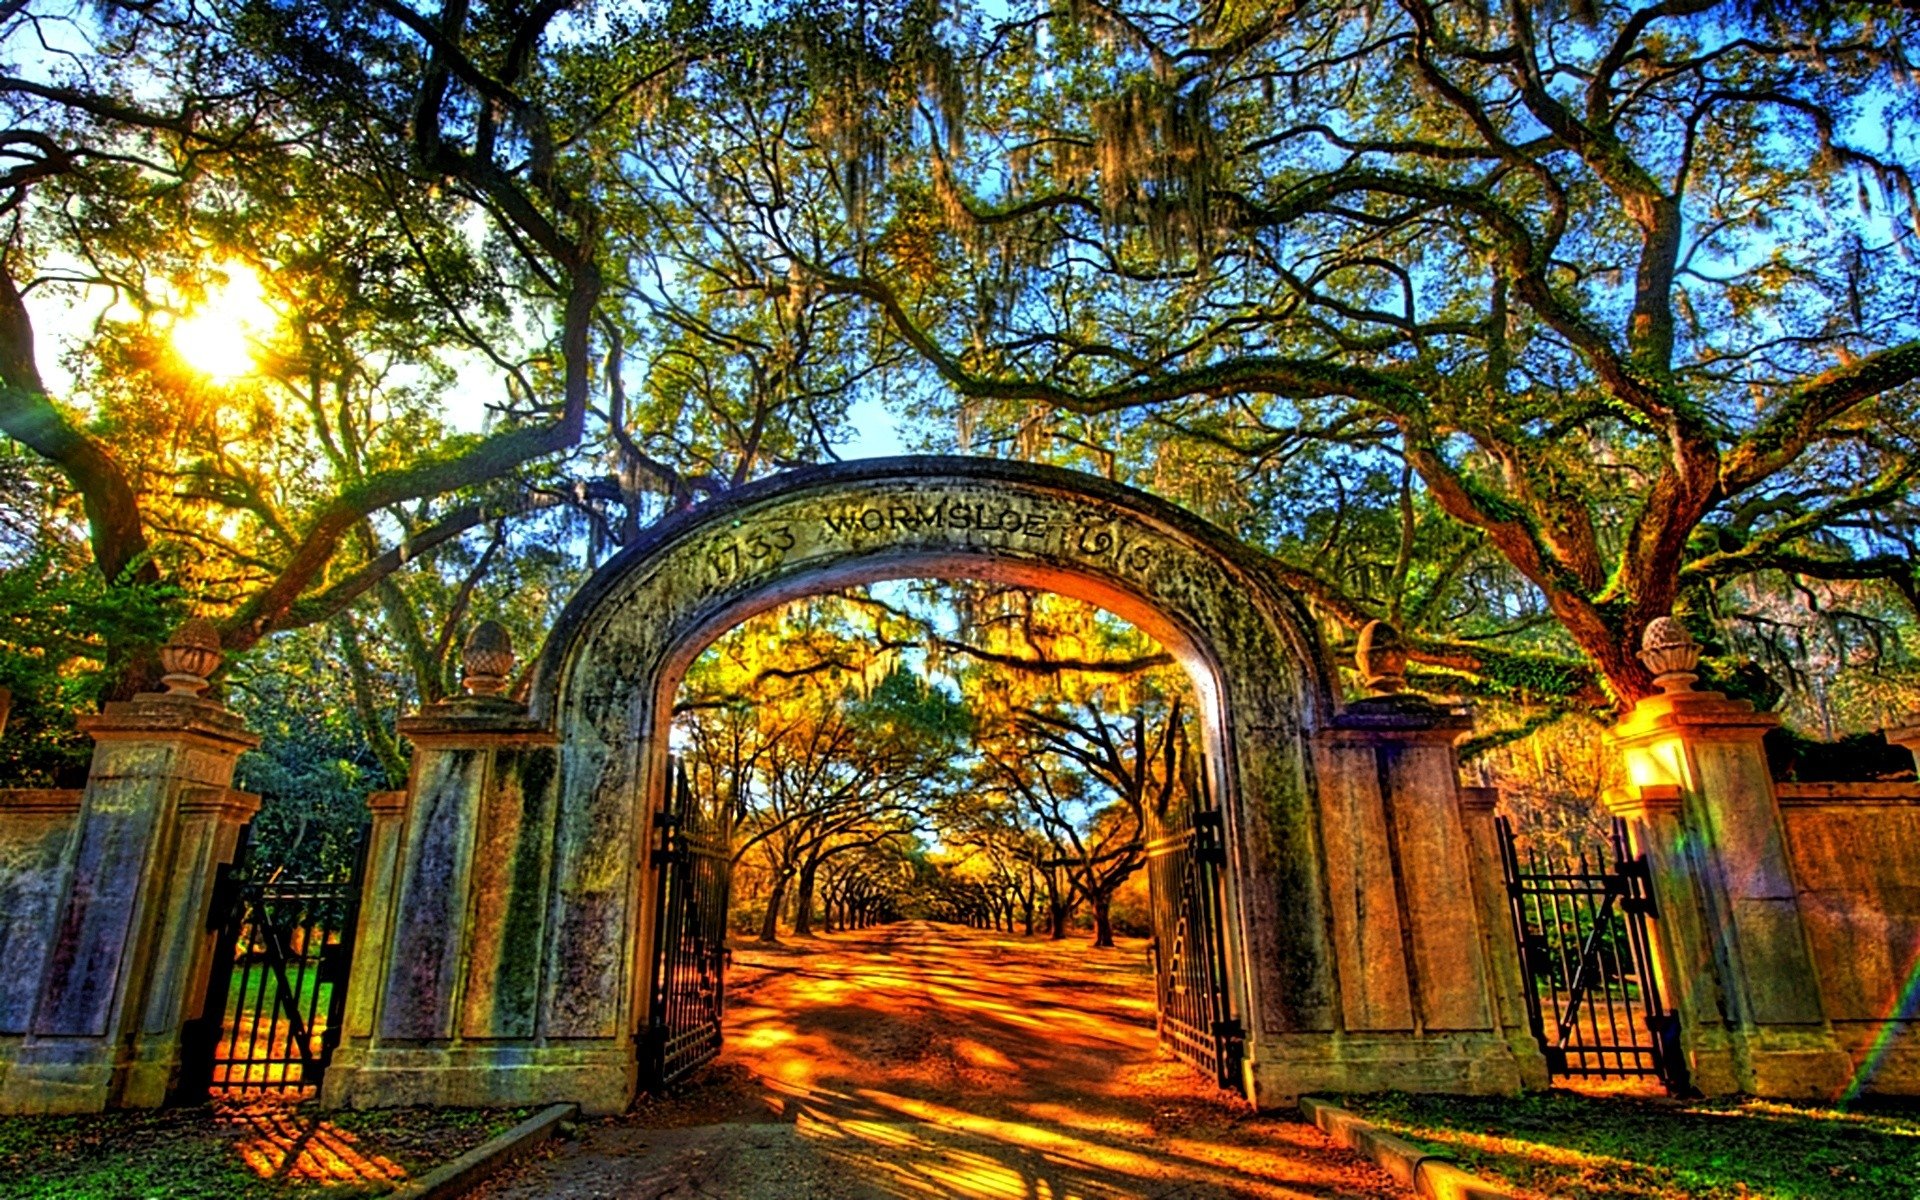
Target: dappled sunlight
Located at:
point(1773, 1110)
point(1018, 1015)
point(1072, 1116)
point(284, 1142)
point(916, 1061)
point(940, 1061)
point(917, 1147)
point(975, 1054)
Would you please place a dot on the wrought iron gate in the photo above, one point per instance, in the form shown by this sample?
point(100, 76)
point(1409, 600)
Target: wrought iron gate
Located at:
point(1593, 1000)
point(1186, 853)
point(278, 987)
point(694, 861)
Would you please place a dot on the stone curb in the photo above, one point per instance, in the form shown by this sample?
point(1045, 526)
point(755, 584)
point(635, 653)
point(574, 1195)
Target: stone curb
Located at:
point(1430, 1175)
point(459, 1176)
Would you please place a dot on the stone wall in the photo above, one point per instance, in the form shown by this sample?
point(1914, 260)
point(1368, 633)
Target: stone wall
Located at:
point(1855, 849)
point(104, 895)
point(35, 826)
point(1788, 913)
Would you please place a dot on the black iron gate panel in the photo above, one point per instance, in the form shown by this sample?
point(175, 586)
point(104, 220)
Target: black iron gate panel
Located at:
point(1186, 853)
point(278, 986)
point(694, 861)
point(1593, 999)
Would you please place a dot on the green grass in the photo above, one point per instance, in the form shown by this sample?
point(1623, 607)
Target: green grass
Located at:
point(1570, 1146)
point(209, 1152)
point(256, 988)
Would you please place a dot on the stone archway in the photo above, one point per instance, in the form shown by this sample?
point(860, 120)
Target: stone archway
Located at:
point(502, 963)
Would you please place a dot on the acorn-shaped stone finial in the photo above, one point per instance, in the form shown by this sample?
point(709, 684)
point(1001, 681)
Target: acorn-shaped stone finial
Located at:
point(1382, 658)
point(487, 659)
point(1671, 654)
point(190, 656)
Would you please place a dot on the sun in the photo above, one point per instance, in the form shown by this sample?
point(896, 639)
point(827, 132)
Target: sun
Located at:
point(219, 337)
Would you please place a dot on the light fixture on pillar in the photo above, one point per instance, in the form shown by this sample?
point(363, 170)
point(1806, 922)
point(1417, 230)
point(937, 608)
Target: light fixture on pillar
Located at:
point(190, 656)
point(1671, 654)
point(487, 660)
point(1382, 659)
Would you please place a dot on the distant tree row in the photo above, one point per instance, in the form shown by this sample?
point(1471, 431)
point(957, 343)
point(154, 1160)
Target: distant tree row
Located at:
point(977, 753)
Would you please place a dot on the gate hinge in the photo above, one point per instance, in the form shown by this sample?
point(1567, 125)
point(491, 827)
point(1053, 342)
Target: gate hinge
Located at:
point(1209, 838)
point(221, 899)
point(652, 1047)
point(1230, 1039)
point(672, 850)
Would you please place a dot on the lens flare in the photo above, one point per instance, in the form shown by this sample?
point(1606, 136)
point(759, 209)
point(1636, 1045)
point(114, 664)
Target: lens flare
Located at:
point(220, 336)
point(1906, 1007)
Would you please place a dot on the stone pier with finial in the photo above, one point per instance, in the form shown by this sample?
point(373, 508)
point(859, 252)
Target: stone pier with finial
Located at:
point(1390, 793)
point(1731, 940)
point(98, 1017)
point(444, 999)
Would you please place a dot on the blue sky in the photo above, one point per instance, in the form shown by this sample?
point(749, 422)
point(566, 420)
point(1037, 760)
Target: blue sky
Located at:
point(876, 432)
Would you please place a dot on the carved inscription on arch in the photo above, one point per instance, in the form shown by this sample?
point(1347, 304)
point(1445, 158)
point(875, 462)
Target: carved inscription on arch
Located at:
point(918, 514)
point(748, 551)
point(753, 546)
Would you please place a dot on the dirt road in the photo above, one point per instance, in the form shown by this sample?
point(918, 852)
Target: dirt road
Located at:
point(924, 1060)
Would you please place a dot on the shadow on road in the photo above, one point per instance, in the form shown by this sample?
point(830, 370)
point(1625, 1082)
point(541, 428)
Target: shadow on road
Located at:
point(922, 1060)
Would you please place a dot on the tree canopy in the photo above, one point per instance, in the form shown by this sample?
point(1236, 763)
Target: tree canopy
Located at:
point(1516, 324)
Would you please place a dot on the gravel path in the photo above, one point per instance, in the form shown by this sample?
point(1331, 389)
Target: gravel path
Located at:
point(922, 1060)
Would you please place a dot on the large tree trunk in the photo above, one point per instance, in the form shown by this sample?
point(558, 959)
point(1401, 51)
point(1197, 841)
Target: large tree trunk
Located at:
point(803, 901)
point(1102, 918)
point(776, 895)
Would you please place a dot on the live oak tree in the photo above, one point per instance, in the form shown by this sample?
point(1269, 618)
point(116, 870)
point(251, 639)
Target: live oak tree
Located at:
point(1008, 749)
point(860, 889)
point(1081, 728)
point(1517, 324)
point(1006, 859)
point(1617, 298)
point(172, 150)
point(415, 191)
point(1091, 783)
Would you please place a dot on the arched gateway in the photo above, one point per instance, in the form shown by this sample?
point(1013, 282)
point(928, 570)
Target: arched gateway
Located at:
point(508, 945)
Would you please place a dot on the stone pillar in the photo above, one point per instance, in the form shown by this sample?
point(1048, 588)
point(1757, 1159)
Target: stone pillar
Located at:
point(1479, 808)
point(1906, 735)
point(36, 833)
point(1729, 940)
point(1419, 976)
point(378, 894)
point(130, 949)
point(446, 990)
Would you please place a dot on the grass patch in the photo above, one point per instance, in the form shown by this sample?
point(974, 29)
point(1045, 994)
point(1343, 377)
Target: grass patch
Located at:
point(1564, 1145)
point(265, 1150)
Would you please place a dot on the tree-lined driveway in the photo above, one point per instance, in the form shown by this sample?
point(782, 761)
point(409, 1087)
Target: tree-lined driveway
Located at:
point(921, 1060)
